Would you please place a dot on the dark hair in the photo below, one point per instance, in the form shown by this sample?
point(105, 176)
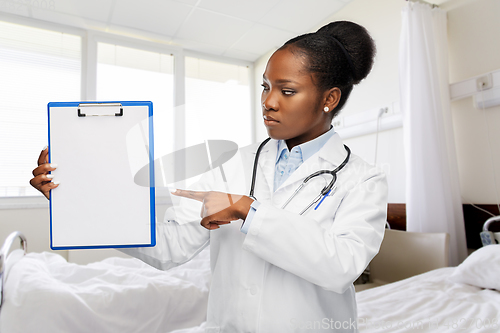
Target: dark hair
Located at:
point(331, 65)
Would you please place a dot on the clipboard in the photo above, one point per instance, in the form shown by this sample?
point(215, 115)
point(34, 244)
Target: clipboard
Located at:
point(98, 204)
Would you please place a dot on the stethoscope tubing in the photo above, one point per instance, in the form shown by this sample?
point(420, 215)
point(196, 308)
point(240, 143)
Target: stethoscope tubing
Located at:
point(324, 192)
point(255, 163)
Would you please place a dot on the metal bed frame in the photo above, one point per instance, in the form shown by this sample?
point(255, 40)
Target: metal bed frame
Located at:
point(4, 251)
point(488, 237)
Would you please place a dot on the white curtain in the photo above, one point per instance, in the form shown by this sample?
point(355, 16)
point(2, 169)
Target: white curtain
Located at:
point(433, 200)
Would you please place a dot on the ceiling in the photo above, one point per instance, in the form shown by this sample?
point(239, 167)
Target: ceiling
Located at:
point(241, 29)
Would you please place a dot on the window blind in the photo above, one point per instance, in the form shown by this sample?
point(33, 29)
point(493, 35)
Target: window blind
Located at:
point(37, 66)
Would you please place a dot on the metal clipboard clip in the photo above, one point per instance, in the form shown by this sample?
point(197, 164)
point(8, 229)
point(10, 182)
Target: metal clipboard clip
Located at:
point(83, 105)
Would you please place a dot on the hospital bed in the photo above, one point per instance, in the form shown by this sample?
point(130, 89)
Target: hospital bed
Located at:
point(404, 254)
point(42, 292)
point(465, 298)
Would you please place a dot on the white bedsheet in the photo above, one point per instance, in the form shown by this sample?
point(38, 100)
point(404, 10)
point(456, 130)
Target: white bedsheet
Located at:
point(428, 303)
point(44, 293)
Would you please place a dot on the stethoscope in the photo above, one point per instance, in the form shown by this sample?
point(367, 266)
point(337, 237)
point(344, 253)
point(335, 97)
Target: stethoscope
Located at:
point(324, 192)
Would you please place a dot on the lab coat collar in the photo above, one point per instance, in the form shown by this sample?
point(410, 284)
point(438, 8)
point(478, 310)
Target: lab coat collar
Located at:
point(333, 151)
point(330, 156)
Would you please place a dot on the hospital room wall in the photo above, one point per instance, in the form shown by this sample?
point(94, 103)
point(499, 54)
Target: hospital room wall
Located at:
point(33, 223)
point(472, 25)
point(474, 49)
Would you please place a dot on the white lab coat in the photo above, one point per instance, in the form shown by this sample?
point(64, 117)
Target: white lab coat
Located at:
point(290, 273)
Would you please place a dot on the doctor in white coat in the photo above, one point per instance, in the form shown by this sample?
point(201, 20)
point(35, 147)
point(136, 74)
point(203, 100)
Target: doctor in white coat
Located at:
point(274, 269)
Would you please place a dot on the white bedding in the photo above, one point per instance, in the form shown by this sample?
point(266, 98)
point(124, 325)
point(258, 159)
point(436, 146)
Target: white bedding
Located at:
point(428, 302)
point(44, 293)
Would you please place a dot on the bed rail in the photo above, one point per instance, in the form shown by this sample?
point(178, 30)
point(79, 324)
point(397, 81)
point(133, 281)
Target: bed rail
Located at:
point(4, 251)
point(488, 237)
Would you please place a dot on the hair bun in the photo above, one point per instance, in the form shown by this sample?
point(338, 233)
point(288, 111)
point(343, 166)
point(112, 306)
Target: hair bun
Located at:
point(358, 43)
point(339, 55)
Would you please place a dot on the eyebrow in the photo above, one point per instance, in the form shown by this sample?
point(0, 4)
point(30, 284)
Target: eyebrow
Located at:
point(280, 80)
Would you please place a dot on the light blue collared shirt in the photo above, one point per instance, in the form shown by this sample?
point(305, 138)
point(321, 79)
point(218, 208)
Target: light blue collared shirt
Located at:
point(286, 163)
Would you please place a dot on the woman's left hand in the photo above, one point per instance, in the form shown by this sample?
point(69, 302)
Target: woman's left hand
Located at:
point(218, 208)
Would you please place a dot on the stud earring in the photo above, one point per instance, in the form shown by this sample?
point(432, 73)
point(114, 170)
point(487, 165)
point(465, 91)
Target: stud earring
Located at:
point(326, 109)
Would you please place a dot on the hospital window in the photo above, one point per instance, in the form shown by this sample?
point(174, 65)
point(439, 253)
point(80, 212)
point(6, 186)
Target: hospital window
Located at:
point(217, 102)
point(132, 74)
point(37, 66)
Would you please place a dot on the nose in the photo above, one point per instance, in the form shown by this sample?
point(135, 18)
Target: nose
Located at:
point(269, 101)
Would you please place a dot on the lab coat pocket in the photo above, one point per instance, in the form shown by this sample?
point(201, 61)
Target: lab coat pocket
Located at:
point(325, 212)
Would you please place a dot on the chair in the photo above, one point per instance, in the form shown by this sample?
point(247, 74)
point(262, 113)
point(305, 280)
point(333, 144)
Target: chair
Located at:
point(404, 254)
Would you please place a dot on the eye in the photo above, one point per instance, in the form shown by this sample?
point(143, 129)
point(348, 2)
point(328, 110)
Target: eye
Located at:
point(288, 92)
point(265, 86)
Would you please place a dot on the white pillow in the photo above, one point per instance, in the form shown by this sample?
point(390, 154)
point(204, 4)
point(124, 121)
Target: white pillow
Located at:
point(480, 269)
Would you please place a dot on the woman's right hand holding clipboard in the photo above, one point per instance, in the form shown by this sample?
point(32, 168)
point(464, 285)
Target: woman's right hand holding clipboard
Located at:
point(42, 179)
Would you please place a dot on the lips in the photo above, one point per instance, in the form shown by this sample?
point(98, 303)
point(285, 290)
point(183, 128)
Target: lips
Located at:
point(269, 118)
point(270, 121)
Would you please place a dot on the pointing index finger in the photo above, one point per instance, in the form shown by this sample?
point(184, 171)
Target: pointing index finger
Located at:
point(196, 195)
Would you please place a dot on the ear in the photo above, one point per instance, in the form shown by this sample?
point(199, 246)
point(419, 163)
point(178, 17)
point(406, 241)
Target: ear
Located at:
point(332, 98)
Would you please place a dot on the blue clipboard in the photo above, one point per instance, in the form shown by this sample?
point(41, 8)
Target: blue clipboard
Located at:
point(97, 146)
